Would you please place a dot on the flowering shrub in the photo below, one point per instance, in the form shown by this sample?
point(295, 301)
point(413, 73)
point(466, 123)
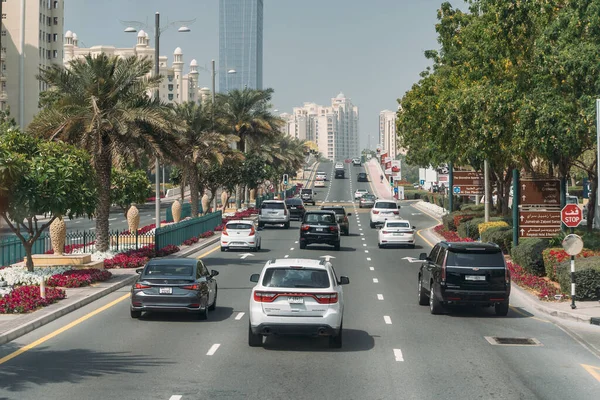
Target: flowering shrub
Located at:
point(207, 234)
point(492, 224)
point(450, 236)
point(71, 247)
point(555, 255)
point(138, 258)
point(19, 276)
point(78, 278)
point(219, 228)
point(191, 241)
point(457, 219)
point(165, 251)
point(544, 288)
point(27, 298)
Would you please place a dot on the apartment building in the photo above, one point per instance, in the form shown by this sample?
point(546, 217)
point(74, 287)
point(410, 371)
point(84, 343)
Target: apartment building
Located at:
point(387, 134)
point(31, 39)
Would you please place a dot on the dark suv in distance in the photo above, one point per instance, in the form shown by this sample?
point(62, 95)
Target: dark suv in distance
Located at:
point(362, 177)
point(296, 208)
point(464, 273)
point(320, 227)
point(341, 216)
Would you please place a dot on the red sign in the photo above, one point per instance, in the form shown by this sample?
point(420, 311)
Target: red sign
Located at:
point(571, 215)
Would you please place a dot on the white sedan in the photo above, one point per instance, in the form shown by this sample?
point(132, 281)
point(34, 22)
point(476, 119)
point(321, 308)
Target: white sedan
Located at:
point(240, 234)
point(396, 232)
point(319, 183)
point(360, 193)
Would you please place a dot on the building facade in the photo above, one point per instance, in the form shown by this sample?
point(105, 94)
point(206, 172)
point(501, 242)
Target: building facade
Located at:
point(387, 133)
point(333, 128)
point(32, 38)
point(176, 87)
point(240, 44)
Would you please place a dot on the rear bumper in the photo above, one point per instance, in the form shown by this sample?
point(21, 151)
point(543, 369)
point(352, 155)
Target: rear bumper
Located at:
point(457, 296)
point(320, 239)
point(276, 220)
point(238, 244)
point(295, 329)
point(397, 240)
point(296, 214)
point(380, 220)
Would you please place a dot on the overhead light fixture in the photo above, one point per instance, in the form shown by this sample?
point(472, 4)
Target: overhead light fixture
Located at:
point(130, 29)
point(183, 29)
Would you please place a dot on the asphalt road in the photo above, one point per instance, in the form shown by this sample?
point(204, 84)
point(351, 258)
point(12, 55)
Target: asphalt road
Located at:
point(393, 348)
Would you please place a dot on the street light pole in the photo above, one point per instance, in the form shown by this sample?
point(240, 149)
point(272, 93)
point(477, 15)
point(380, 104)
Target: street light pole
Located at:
point(157, 93)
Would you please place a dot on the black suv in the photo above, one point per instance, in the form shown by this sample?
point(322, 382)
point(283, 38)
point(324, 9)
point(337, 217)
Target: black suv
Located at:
point(296, 208)
point(307, 196)
point(340, 173)
point(464, 273)
point(341, 216)
point(362, 177)
point(320, 227)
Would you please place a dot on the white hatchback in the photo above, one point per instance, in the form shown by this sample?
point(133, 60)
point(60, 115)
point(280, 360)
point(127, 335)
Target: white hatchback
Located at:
point(321, 176)
point(396, 232)
point(360, 193)
point(319, 183)
point(382, 211)
point(240, 234)
point(297, 296)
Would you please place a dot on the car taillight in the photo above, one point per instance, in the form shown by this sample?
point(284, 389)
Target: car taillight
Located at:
point(305, 228)
point(333, 228)
point(326, 298)
point(385, 232)
point(506, 275)
point(252, 231)
point(396, 212)
point(375, 212)
point(140, 286)
point(345, 219)
point(224, 231)
point(299, 207)
point(264, 297)
point(191, 287)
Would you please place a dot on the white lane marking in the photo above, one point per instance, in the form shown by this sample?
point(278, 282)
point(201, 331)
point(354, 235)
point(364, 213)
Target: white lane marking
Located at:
point(375, 280)
point(387, 319)
point(148, 215)
point(291, 249)
point(364, 244)
point(360, 229)
point(362, 234)
point(296, 242)
point(398, 355)
point(368, 258)
point(239, 316)
point(366, 251)
point(153, 218)
point(372, 268)
point(112, 219)
point(91, 229)
point(360, 225)
point(78, 221)
point(286, 256)
point(379, 296)
point(213, 349)
point(176, 397)
point(362, 238)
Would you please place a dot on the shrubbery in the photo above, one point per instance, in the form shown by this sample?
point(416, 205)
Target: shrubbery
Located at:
point(501, 235)
point(492, 224)
point(528, 254)
point(555, 255)
point(587, 278)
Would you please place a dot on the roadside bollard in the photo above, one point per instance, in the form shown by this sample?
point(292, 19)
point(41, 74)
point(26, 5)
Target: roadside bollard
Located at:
point(43, 288)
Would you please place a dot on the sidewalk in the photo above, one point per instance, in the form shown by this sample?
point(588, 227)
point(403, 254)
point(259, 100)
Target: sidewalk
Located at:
point(587, 311)
point(381, 189)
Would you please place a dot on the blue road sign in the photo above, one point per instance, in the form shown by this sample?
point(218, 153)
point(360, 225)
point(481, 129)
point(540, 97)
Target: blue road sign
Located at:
point(396, 190)
point(456, 189)
point(422, 181)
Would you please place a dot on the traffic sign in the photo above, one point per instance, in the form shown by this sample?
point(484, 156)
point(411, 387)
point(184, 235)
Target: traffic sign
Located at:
point(422, 182)
point(538, 231)
point(539, 192)
point(470, 183)
point(457, 189)
point(571, 215)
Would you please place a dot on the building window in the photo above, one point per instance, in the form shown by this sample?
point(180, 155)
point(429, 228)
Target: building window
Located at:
point(56, 4)
point(3, 32)
point(170, 97)
point(48, 21)
point(4, 16)
point(55, 20)
point(170, 77)
point(54, 53)
point(170, 88)
point(48, 54)
point(55, 37)
point(49, 37)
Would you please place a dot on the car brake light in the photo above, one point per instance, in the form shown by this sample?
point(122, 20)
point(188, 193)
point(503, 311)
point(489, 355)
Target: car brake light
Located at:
point(396, 212)
point(333, 228)
point(326, 298)
point(300, 207)
point(264, 297)
point(375, 212)
point(506, 275)
point(224, 231)
point(141, 286)
point(191, 287)
point(385, 232)
point(252, 231)
point(444, 269)
point(305, 227)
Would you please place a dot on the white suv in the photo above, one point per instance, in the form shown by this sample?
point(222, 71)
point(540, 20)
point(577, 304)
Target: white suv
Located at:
point(297, 296)
point(384, 210)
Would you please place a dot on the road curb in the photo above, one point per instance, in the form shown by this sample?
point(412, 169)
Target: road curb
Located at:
point(41, 321)
point(194, 249)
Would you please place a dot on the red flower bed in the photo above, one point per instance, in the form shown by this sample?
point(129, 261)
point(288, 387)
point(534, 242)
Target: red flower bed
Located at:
point(450, 236)
point(138, 258)
point(79, 277)
point(196, 239)
point(151, 199)
point(554, 256)
point(69, 248)
point(544, 288)
point(27, 298)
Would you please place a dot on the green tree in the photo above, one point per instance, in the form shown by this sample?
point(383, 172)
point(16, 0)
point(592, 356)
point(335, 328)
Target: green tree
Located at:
point(129, 186)
point(101, 104)
point(53, 178)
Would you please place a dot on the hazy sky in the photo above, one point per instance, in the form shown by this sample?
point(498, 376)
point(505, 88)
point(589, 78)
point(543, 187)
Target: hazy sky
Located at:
point(372, 50)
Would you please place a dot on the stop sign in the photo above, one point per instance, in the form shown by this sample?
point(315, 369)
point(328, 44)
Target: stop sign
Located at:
point(571, 215)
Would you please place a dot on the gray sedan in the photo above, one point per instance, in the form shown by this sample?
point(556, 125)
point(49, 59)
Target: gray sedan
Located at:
point(368, 201)
point(174, 285)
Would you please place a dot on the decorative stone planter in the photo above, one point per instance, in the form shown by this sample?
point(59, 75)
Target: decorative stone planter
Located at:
point(252, 195)
point(133, 218)
point(58, 234)
point(176, 211)
point(205, 204)
point(224, 197)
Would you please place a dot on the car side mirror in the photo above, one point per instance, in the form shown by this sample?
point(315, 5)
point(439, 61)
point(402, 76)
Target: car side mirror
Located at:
point(213, 272)
point(344, 280)
point(254, 278)
point(139, 271)
point(423, 256)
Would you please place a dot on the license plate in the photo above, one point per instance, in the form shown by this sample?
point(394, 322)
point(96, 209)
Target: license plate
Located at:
point(165, 290)
point(296, 300)
point(475, 277)
point(398, 234)
point(319, 229)
point(292, 208)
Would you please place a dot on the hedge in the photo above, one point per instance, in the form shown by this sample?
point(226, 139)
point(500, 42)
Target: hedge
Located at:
point(501, 235)
point(415, 194)
point(492, 224)
point(528, 254)
point(587, 278)
point(473, 207)
point(472, 227)
point(553, 256)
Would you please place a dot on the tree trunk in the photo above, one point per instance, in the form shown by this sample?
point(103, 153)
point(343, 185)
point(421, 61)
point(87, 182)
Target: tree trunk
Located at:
point(194, 188)
point(103, 168)
point(592, 199)
point(28, 245)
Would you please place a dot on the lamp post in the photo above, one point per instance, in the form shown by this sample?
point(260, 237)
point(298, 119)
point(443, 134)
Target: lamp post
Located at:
point(157, 31)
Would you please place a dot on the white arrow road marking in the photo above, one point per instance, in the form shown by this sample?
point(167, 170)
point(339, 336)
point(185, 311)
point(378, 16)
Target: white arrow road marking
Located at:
point(379, 297)
point(176, 397)
point(243, 256)
point(372, 268)
point(411, 259)
point(375, 280)
point(327, 257)
point(239, 316)
point(213, 349)
point(416, 213)
point(387, 319)
point(398, 355)
point(78, 221)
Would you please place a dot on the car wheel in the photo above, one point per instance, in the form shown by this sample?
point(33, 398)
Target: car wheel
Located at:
point(423, 300)
point(255, 249)
point(372, 225)
point(337, 247)
point(501, 309)
point(254, 340)
point(347, 233)
point(380, 245)
point(261, 226)
point(203, 314)
point(359, 206)
point(286, 225)
point(335, 341)
point(135, 314)
point(435, 306)
point(222, 248)
point(302, 245)
point(214, 304)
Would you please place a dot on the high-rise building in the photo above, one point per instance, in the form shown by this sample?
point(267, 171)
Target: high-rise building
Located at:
point(334, 129)
point(240, 44)
point(32, 38)
point(387, 133)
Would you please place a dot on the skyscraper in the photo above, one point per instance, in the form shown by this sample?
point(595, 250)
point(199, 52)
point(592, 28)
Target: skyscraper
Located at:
point(240, 44)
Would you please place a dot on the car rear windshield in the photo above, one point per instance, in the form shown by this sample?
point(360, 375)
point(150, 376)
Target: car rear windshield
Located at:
point(319, 218)
point(361, 174)
point(296, 278)
point(368, 197)
point(169, 270)
point(304, 191)
point(398, 225)
point(238, 225)
point(335, 210)
point(273, 206)
point(386, 205)
point(472, 259)
point(294, 202)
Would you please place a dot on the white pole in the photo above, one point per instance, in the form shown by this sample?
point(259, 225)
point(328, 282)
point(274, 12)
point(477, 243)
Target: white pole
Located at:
point(43, 288)
point(22, 68)
point(573, 306)
point(597, 205)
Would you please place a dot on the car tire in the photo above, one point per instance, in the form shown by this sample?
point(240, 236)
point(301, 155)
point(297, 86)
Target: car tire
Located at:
point(435, 306)
point(347, 233)
point(335, 341)
point(359, 206)
point(261, 226)
point(372, 225)
point(302, 245)
point(286, 225)
point(222, 248)
point(213, 306)
point(501, 309)
point(255, 249)
point(254, 340)
point(337, 247)
point(135, 314)
point(203, 314)
point(380, 245)
point(423, 299)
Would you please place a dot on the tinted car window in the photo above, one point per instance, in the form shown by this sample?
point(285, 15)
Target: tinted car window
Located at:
point(369, 197)
point(170, 270)
point(273, 206)
point(296, 278)
point(204, 271)
point(294, 202)
point(398, 224)
point(362, 175)
point(479, 259)
point(335, 210)
point(238, 225)
point(441, 255)
point(319, 218)
point(386, 204)
point(434, 253)
point(309, 191)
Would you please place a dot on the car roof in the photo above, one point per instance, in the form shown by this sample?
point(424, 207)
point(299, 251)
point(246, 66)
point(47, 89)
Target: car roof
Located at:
point(240, 221)
point(273, 201)
point(397, 220)
point(386, 201)
point(361, 190)
point(465, 246)
point(319, 212)
point(173, 261)
point(304, 262)
point(332, 208)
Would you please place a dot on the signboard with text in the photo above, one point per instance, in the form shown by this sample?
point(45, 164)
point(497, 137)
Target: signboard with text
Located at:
point(544, 192)
point(538, 232)
point(468, 183)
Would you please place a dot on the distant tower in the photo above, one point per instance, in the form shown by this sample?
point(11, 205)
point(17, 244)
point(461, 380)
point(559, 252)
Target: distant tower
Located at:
point(178, 70)
point(205, 94)
point(141, 39)
point(193, 81)
point(69, 47)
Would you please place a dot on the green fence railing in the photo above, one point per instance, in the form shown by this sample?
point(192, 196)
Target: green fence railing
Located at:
point(260, 199)
point(177, 233)
point(186, 211)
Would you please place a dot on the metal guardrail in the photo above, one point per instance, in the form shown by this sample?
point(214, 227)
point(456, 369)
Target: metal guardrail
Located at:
point(176, 234)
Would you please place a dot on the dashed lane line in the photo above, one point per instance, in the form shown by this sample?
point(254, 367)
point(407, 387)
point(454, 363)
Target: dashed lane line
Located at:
point(387, 319)
point(364, 244)
point(291, 249)
point(286, 256)
point(379, 296)
point(398, 355)
point(366, 251)
point(372, 268)
point(368, 258)
point(213, 349)
point(375, 280)
point(239, 316)
point(176, 397)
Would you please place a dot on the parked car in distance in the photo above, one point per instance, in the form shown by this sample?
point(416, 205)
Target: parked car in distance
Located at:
point(307, 196)
point(360, 193)
point(296, 208)
point(356, 162)
point(240, 234)
point(362, 177)
point(382, 211)
point(320, 227)
point(273, 212)
point(341, 217)
point(396, 232)
point(367, 201)
point(464, 273)
point(297, 296)
point(174, 285)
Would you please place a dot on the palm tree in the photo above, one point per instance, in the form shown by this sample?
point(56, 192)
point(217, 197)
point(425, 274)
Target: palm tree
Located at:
point(199, 145)
point(101, 103)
